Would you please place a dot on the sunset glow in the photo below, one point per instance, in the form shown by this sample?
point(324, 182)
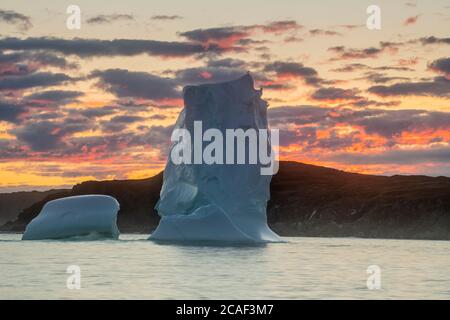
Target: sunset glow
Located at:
point(100, 102)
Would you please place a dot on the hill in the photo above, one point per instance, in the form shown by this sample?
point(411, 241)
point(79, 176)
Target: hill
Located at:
point(306, 200)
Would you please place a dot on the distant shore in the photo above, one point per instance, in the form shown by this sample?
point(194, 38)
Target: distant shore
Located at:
point(306, 201)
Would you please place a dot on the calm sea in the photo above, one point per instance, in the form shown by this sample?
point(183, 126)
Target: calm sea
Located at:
point(302, 268)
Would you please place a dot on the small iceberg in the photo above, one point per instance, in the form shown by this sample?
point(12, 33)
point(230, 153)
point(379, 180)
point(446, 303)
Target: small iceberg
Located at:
point(76, 216)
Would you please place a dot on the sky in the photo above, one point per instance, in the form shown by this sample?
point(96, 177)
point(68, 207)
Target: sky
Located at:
point(99, 102)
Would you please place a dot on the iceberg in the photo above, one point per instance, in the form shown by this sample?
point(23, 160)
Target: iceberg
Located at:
point(215, 201)
point(75, 216)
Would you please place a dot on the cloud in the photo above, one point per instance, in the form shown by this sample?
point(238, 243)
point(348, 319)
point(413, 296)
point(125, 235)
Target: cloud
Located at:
point(22, 62)
point(38, 59)
point(208, 74)
point(98, 112)
point(225, 37)
point(297, 114)
point(38, 79)
point(376, 77)
point(120, 123)
point(333, 94)
point(411, 20)
point(441, 66)
point(124, 83)
point(344, 53)
point(434, 40)
point(49, 135)
point(391, 123)
point(166, 17)
point(53, 97)
point(227, 63)
point(280, 26)
point(321, 32)
point(385, 123)
point(10, 112)
point(411, 4)
point(229, 37)
point(157, 137)
point(23, 22)
point(351, 26)
point(109, 18)
point(294, 70)
point(439, 87)
point(117, 47)
point(293, 39)
point(361, 103)
point(360, 66)
point(403, 156)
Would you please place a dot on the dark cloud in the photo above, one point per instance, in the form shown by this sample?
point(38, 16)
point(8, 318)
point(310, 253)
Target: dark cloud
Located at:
point(351, 67)
point(227, 63)
point(158, 117)
point(403, 156)
point(386, 123)
point(280, 26)
point(39, 79)
point(97, 112)
point(376, 77)
point(166, 17)
point(120, 123)
point(298, 115)
point(22, 21)
point(109, 18)
point(127, 119)
point(296, 70)
point(20, 63)
point(293, 39)
point(117, 47)
point(54, 96)
point(441, 66)
point(227, 37)
point(343, 53)
point(351, 26)
point(208, 74)
point(335, 94)
point(10, 112)
point(157, 137)
point(49, 135)
point(124, 83)
point(439, 86)
point(361, 103)
point(434, 40)
point(360, 66)
point(277, 86)
point(321, 32)
point(394, 122)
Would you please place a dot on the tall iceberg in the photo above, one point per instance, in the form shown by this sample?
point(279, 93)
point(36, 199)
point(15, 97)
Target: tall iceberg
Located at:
point(75, 216)
point(217, 202)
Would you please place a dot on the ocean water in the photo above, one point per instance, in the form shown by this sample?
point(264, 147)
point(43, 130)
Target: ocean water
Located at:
point(302, 268)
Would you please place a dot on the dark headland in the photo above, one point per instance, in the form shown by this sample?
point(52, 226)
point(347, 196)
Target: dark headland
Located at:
point(306, 200)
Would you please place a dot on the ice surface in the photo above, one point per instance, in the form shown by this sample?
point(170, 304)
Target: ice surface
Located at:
point(217, 202)
point(75, 216)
